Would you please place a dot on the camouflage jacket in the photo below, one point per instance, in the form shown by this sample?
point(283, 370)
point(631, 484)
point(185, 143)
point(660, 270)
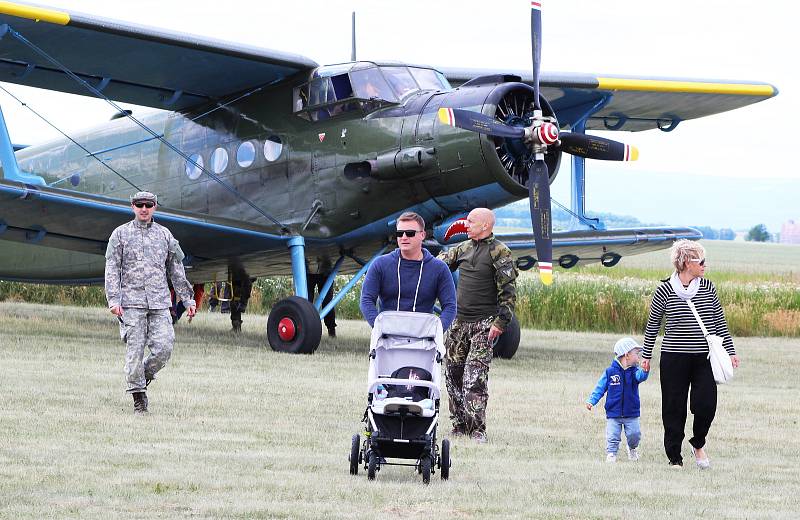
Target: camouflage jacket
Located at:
point(487, 280)
point(139, 258)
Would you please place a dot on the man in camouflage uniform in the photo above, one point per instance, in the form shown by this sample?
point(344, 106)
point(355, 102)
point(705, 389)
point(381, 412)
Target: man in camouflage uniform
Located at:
point(140, 256)
point(486, 298)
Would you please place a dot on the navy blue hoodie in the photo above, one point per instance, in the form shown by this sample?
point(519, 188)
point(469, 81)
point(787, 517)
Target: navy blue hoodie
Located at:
point(622, 385)
point(380, 285)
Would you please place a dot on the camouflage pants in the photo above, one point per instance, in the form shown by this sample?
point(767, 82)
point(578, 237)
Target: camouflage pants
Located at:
point(469, 355)
point(140, 328)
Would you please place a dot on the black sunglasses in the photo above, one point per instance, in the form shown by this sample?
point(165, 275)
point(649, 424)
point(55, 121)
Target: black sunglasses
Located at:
point(143, 204)
point(408, 232)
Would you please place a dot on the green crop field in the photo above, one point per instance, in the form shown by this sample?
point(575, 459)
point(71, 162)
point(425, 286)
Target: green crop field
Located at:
point(758, 284)
point(239, 431)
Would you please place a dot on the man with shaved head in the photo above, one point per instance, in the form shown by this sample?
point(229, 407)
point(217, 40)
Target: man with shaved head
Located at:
point(486, 299)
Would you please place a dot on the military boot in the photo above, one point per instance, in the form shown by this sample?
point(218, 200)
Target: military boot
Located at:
point(139, 403)
point(236, 326)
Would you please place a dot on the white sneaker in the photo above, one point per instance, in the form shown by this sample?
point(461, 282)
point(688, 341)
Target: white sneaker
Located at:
point(611, 457)
point(701, 463)
point(633, 454)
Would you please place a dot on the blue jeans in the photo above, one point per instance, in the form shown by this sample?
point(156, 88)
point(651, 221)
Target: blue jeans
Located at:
point(614, 425)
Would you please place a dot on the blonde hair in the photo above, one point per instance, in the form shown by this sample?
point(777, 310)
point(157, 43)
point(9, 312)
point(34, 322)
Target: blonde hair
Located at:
point(683, 250)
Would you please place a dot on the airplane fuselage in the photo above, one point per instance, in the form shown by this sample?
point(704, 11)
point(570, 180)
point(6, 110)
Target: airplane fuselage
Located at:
point(339, 180)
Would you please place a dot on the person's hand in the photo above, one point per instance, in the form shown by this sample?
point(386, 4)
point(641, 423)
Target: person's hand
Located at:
point(646, 365)
point(116, 310)
point(191, 312)
point(494, 332)
point(735, 361)
point(588, 406)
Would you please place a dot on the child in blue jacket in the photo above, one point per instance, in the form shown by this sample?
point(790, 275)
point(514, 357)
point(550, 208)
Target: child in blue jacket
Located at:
point(621, 381)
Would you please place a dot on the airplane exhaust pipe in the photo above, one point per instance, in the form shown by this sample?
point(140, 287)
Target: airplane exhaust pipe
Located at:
point(393, 165)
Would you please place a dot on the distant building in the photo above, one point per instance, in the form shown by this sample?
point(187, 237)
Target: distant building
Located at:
point(790, 232)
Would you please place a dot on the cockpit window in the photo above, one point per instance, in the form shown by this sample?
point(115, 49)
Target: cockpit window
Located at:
point(429, 79)
point(401, 80)
point(370, 84)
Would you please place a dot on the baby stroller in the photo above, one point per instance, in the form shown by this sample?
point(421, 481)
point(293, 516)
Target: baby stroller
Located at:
point(402, 415)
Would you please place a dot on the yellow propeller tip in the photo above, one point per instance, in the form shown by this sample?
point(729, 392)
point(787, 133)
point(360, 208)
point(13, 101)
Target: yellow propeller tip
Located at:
point(446, 116)
point(634, 153)
point(546, 277)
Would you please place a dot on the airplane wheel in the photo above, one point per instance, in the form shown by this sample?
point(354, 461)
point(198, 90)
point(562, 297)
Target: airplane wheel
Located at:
point(507, 344)
point(294, 326)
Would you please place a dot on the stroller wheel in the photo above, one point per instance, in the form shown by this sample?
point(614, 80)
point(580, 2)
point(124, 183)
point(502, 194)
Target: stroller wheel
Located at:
point(425, 469)
point(355, 451)
point(372, 465)
point(444, 459)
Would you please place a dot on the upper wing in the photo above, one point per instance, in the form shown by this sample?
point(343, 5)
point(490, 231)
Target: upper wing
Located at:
point(572, 248)
point(633, 104)
point(131, 63)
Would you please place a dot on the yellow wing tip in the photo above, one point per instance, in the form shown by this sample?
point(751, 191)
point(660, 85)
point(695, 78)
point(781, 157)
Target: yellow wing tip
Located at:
point(36, 14)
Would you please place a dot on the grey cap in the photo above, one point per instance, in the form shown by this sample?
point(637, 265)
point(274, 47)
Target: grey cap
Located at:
point(144, 195)
point(624, 346)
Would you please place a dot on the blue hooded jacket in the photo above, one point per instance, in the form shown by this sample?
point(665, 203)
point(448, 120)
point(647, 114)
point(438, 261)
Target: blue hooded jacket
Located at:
point(380, 285)
point(622, 385)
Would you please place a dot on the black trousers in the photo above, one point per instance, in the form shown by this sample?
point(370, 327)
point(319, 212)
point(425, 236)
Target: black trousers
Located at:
point(317, 281)
point(686, 376)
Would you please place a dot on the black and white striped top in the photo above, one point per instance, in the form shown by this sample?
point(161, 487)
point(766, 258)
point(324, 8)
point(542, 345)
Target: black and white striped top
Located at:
point(682, 333)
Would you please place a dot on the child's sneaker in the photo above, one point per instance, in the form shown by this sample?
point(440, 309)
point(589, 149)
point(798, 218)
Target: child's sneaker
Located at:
point(611, 457)
point(633, 454)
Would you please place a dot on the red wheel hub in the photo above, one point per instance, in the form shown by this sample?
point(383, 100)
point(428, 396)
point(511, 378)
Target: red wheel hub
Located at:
point(286, 329)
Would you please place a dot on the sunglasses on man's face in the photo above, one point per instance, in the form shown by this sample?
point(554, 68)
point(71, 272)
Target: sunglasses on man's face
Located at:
point(407, 232)
point(701, 261)
point(143, 204)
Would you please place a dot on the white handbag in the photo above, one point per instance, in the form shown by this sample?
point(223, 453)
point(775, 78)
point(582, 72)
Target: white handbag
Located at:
point(720, 360)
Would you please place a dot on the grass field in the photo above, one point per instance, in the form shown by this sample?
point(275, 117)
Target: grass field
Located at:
point(238, 431)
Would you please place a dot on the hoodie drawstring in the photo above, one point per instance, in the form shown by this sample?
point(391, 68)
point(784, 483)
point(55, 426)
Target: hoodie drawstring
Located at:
point(416, 292)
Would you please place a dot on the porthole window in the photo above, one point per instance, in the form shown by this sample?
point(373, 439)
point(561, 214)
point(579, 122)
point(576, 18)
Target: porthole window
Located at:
point(193, 171)
point(246, 154)
point(219, 160)
point(272, 148)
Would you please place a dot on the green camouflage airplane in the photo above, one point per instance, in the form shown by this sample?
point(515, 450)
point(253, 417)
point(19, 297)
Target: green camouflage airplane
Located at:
point(266, 163)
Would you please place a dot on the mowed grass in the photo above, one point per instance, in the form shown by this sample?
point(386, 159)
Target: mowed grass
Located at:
point(238, 431)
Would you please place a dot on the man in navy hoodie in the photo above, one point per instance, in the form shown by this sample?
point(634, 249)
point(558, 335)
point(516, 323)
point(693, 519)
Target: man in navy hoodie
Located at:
point(409, 278)
point(621, 381)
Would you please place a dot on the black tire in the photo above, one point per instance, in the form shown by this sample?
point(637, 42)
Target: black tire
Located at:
point(294, 326)
point(372, 465)
point(425, 469)
point(355, 449)
point(444, 459)
point(507, 344)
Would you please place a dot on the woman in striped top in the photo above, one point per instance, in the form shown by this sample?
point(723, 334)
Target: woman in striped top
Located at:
point(684, 366)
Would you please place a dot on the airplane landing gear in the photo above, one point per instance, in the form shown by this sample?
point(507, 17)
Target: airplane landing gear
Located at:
point(294, 326)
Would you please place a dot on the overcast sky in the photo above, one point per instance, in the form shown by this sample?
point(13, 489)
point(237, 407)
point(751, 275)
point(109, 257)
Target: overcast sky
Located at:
point(708, 39)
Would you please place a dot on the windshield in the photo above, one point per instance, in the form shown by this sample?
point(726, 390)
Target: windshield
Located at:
point(370, 84)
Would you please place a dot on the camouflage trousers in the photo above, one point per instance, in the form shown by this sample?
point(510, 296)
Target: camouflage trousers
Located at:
point(469, 354)
point(140, 328)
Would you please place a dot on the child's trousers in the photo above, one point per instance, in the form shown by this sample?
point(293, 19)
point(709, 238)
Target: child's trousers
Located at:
point(614, 427)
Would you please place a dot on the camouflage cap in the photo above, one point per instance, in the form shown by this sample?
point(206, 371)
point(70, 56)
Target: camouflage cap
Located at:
point(144, 195)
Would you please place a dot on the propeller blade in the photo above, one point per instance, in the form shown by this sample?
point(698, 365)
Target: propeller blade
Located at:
point(536, 47)
point(477, 122)
point(539, 198)
point(593, 147)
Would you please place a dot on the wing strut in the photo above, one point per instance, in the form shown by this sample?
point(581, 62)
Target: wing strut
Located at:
point(6, 28)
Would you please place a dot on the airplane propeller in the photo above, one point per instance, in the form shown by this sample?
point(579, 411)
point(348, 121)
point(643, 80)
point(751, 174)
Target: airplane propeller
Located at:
point(541, 135)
